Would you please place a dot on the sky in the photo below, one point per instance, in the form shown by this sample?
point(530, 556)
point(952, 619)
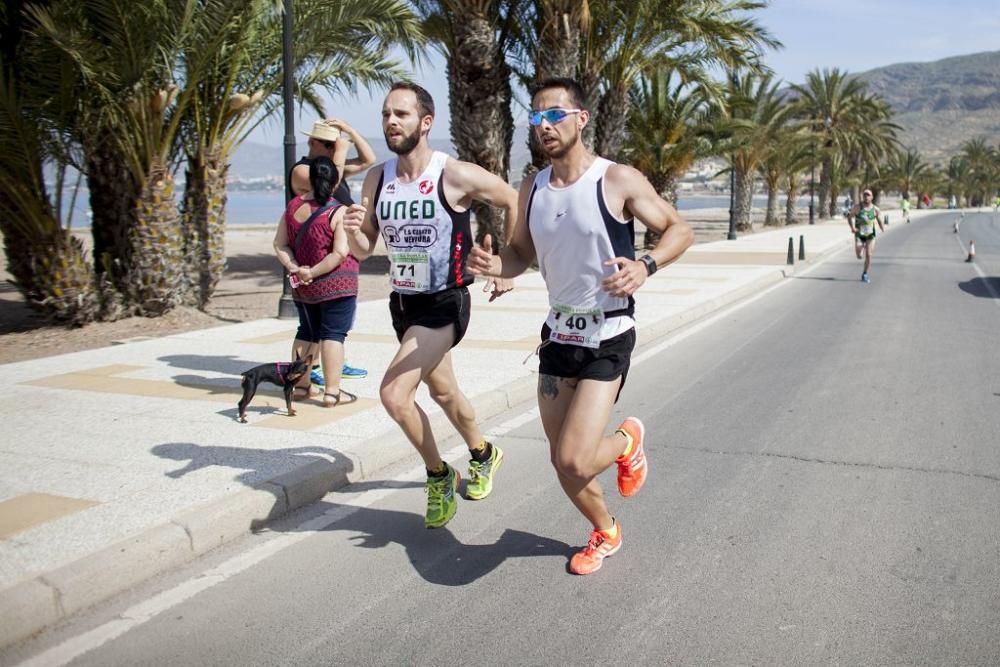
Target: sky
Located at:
point(854, 35)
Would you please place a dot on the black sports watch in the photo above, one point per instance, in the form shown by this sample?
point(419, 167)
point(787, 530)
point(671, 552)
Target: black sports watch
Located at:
point(650, 264)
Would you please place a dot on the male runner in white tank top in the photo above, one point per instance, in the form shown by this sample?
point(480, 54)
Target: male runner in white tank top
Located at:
point(419, 202)
point(576, 217)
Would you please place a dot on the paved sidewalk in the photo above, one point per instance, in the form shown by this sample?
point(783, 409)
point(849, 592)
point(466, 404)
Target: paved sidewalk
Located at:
point(123, 462)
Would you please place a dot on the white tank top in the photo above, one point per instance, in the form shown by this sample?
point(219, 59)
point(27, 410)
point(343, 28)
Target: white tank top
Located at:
point(574, 233)
point(428, 242)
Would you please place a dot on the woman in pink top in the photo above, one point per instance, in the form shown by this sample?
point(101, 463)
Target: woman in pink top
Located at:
point(324, 276)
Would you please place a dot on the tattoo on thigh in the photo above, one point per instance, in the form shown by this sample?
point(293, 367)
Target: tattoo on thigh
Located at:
point(548, 386)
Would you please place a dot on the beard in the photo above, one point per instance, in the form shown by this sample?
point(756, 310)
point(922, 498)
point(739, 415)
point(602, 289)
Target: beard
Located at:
point(560, 150)
point(406, 144)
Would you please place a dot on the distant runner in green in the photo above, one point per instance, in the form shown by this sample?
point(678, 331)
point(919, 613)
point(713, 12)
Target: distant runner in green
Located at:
point(863, 218)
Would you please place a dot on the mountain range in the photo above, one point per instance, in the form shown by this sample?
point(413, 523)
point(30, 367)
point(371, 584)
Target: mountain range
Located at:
point(944, 103)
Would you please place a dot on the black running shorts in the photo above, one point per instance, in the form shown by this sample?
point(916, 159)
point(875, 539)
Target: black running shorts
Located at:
point(609, 361)
point(434, 310)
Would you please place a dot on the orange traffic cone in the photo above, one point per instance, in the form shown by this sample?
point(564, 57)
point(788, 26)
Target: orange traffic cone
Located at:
point(972, 251)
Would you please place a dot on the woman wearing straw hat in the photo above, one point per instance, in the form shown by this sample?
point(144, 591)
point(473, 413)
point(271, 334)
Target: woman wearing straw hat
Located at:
point(323, 141)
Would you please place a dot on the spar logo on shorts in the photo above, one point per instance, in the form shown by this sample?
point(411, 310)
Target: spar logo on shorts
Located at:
point(426, 186)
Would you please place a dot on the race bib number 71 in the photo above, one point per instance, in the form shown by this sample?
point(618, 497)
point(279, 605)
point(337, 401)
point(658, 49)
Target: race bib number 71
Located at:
point(410, 270)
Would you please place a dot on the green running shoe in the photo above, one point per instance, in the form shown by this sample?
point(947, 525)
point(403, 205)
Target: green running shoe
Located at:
point(442, 498)
point(481, 475)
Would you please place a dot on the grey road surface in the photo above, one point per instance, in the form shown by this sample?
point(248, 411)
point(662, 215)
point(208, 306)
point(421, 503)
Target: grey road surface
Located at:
point(825, 488)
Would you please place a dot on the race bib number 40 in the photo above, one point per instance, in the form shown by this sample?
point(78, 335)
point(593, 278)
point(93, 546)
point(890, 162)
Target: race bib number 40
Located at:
point(577, 326)
point(410, 270)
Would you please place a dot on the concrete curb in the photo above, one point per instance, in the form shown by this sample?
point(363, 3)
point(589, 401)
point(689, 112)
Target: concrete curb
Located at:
point(47, 599)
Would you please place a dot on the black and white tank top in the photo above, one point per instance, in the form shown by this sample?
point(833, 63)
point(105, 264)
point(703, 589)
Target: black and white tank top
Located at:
point(428, 241)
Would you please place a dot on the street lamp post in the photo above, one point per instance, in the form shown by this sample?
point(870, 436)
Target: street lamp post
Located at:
point(731, 236)
point(286, 307)
point(812, 187)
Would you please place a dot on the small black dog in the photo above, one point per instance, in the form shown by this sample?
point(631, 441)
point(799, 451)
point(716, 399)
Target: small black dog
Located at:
point(282, 373)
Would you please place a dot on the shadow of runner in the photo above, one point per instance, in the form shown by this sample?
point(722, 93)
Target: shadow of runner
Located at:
point(437, 555)
point(988, 288)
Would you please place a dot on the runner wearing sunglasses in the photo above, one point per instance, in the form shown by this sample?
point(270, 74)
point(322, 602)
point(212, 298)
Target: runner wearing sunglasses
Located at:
point(419, 201)
point(577, 220)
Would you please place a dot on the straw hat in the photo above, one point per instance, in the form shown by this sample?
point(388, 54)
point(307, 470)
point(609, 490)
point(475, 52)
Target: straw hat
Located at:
point(323, 131)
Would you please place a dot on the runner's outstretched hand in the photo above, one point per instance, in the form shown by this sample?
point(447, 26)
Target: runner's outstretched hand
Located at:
point(355, 216)
point(481, 264)
point(480, 260)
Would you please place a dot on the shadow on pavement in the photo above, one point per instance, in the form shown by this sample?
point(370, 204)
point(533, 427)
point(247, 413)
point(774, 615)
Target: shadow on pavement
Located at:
point(437, 555)
point(981, 287)
point(259, 465)
point(217, 363)
point(826, 278)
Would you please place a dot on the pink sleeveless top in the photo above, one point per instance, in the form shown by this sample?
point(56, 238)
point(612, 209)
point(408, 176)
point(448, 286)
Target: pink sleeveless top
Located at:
point(339, 283)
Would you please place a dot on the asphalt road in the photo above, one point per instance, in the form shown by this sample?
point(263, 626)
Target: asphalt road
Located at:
point(825, 484)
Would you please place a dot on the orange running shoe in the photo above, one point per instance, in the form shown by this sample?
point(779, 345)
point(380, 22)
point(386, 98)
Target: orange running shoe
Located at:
point(600, 546)
point(632, 468)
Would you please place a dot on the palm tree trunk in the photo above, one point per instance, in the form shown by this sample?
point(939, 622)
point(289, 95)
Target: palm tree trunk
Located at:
point(204, 225)
point(743, 200)
point(824, 209)
point(482, 126)
point(591, 84)
point(611, 123)
point(156, 263)
point(112, 196)
point(771, 217)
point(791, 194)
point(666, 186)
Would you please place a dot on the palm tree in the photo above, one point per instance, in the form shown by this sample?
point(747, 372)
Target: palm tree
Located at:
point(130, 98)
point(829, 102)
point(960, 177)
point(475, 36)
point(49, 265)
point(124, 72)
point(871, 144)
point(628, 37)
point(666, 127)
point(235, 57)
point(795, 162)
point(982, 162)
point(904, 170)
point(757, 120)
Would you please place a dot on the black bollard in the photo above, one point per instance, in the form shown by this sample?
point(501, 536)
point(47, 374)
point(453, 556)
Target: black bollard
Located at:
point(802, 247)
point(791, 250)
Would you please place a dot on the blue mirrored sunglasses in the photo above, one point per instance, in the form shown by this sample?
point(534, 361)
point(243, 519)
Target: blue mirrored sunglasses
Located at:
point(552, 115)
